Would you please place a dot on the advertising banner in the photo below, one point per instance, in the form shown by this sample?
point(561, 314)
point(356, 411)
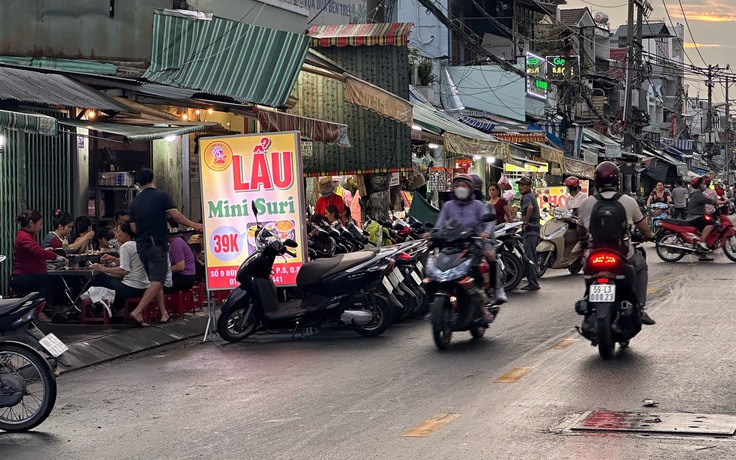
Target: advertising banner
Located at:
point(556, 197)
point(237, 172)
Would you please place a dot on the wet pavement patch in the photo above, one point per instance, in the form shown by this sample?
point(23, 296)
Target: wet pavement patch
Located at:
point(703, 424)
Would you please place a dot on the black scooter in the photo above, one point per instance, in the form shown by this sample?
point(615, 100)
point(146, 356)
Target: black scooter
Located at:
point(348, 289)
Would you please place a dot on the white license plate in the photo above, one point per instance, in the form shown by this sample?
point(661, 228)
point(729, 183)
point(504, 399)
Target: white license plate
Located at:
point(420, 267)
point(53, 345)
point(416, 278)
point(387, 284)
point(394, 279)
point(602, 293)
point(399, 276)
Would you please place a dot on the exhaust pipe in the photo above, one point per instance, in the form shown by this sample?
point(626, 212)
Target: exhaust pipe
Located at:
point(674, 246)
point(356, 317)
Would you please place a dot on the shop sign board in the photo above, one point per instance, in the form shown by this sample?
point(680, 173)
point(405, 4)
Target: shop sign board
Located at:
point(527, 167)
point(536, 72)
point(562, 67)
point(551, 197)
point(613, 151)
point(236, 173)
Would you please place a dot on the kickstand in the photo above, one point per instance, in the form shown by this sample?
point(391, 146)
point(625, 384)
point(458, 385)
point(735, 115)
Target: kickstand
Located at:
point(293, 333)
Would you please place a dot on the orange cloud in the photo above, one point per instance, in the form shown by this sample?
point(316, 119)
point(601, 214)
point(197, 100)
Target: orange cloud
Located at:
point(689, 45)
point(707, 11)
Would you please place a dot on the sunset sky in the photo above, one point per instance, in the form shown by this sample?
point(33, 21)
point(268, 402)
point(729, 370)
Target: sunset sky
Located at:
point(713, 24)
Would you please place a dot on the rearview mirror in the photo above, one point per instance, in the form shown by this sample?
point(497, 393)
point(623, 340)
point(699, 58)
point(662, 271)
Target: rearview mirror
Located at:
point(290, 243)
point(428, 225)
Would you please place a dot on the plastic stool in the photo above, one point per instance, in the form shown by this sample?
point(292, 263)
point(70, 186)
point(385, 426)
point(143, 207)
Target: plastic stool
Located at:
point(87, 317)
point(150, 315)
point(180, 302)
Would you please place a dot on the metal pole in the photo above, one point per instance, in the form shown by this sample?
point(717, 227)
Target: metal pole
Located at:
point(709, 114)
point(628, 138)
point(639, 71)
point(727, 159)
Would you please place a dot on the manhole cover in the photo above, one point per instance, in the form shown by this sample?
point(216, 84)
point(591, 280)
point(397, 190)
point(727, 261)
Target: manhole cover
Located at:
point(707, 424)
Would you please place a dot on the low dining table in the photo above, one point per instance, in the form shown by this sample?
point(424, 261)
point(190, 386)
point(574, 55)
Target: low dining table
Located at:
point(85, 274)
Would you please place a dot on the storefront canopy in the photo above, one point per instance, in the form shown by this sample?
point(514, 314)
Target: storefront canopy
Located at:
point(136, 133)
point(458, 138)
point(395, 34)
point(27, 86)
point(226, 58)
point(521, 137)
point(310, 128)
point(28, 123)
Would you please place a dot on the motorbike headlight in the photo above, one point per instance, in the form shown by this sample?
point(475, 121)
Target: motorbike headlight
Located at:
point(435, 274)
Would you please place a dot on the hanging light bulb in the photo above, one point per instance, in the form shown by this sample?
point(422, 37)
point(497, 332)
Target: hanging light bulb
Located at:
point(90, 114)
point(210, 111)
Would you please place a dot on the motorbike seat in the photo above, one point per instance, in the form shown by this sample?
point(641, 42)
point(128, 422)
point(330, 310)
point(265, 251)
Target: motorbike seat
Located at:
point(683, 222)
point(312, 272)
point(10, 305)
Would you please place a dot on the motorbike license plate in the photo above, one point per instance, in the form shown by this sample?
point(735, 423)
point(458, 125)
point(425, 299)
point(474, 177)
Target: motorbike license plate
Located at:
point(420, 267)
point(53, 345)
point(394, 279)
point(602, 293)
point(399, 276)
point(416, 278)
point(387, 284)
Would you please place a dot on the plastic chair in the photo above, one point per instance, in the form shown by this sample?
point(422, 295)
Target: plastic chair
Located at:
point(87, 317)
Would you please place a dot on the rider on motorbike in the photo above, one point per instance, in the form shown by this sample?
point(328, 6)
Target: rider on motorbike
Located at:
point(697, 209)
point(606, 181)
point(469, 212)
point(576, 197)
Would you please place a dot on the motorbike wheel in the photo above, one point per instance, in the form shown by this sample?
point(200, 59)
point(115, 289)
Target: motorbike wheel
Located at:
point(513, 271)
point(478, 332)
point(383, 317)
point(575, 268)
point(729, 248)
point(29, 374)
point(665, 253)
point(542, 263)
point(441, 330)
point(605, 338)
point(234, 326)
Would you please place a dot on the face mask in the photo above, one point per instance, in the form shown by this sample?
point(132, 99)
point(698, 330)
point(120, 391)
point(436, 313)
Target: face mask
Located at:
point(462, 193)
point(325, 195)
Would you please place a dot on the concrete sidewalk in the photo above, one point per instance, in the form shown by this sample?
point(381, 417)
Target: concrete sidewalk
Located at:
point(93, 344)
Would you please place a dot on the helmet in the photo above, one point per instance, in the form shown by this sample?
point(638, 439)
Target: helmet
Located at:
point(696, 181)
point(477, 181)
point(606, 175)
point(572, 181)
point(707, 179)
point(464, 178)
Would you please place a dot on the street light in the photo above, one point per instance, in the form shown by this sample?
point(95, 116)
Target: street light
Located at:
point(433, 146)
point(2, 141)
point(416, 127)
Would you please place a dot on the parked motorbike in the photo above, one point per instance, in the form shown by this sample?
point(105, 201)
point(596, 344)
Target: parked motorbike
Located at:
point(349, 289)
point(510, 254)
point(559, 246)
point(678, 238)
point(27, 380)
point(610, 307)
point(453, 274)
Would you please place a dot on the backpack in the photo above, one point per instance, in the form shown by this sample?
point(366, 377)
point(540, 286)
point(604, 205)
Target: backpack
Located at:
point(608, 223)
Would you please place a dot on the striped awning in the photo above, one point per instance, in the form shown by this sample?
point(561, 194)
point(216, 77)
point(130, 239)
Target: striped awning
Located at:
point(137, 133)
point(394, 34)
point(226, 58)
point(28, 123)
point(519, 138)
point(310, 128)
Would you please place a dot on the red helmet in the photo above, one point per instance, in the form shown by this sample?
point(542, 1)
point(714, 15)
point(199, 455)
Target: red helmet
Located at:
point(696, 181)
point(707, 179)
point(463, 177)
point(606, 175)
point(572, 181)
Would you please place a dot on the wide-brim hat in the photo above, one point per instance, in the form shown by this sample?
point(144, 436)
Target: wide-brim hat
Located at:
point(326, 185)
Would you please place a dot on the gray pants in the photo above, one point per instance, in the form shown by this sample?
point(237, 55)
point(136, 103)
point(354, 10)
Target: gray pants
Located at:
point(639, 262)
point(530, 249)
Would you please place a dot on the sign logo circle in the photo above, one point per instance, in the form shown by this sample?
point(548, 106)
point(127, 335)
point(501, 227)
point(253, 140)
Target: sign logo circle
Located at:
point(218, 156)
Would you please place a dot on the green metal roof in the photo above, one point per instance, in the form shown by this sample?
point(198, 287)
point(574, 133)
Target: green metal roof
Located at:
point(28, 123)
point(135, 133)
point(64, 65)
point(226, 58)
point(436, 121)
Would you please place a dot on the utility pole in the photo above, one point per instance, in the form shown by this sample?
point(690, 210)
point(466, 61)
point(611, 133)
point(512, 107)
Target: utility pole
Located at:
point(634, 64)
point(727, 160)
point(628, 134)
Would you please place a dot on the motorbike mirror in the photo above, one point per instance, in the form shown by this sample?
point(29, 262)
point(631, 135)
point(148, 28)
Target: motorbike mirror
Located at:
point(290, 243)
point(428, 225)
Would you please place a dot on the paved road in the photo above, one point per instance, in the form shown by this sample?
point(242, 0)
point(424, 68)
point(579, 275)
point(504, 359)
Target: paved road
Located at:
point(338, 395)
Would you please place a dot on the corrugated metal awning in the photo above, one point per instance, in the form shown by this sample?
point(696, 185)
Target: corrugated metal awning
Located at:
point(28, 123)
point(395, 34)
point(521, 137)
point(136, 133)
point(310, 128)
point(248, 63)
point(52, 89)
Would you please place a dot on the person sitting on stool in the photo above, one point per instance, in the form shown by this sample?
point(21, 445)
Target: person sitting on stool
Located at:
point(183, 263)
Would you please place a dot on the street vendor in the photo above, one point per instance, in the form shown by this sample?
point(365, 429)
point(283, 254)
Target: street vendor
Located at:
point(328, 197)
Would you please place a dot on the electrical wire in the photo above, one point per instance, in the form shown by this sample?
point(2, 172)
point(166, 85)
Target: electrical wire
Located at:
point(684, 16)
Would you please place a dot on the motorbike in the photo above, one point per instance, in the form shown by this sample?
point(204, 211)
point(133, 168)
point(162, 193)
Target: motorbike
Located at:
point(678, 238)
point(27, 379)
point(348, 289)
point(610, 307)
point(559, 246)
point(510, 254)
point(452, 281)
point(658, 212)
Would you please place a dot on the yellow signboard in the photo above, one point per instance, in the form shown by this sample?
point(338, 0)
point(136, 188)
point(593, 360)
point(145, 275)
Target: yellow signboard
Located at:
point(528, 167)
point(238, 172)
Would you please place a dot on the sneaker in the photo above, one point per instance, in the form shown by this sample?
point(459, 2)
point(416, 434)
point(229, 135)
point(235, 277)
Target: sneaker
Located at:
point(703, 246)
point(646, 319)
point(529, 287)
point(500, 297)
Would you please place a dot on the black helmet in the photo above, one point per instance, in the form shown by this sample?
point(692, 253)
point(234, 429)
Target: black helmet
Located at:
point(477, 181)
point(606, 175)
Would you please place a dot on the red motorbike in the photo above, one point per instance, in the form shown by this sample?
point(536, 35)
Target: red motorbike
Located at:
point(678, 238)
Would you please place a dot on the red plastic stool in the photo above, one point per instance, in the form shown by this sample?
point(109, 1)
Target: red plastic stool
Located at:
point(87, 317)
point(199, 291)
point(180, 302)
point(150, 315)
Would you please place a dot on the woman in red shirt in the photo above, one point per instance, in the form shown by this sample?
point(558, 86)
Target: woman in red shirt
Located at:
point(29, 258)
point(500, 205)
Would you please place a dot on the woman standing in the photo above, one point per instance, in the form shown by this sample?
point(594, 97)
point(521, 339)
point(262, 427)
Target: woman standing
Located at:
point(29, 258)
point(504, 213)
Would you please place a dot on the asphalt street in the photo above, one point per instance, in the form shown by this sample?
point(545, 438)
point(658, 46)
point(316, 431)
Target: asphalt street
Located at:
point(337, 395)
